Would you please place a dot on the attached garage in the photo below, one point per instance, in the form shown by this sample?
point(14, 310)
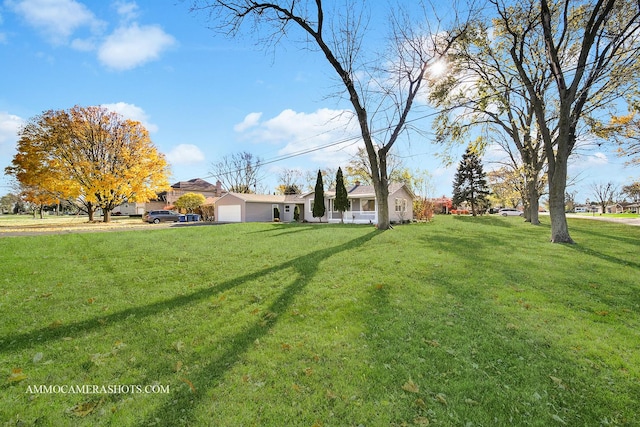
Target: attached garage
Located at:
point(236, 207)
point(229, 213)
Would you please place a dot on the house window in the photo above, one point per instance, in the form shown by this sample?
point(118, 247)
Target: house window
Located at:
point(401, 205)
point(368, 205)
point(287, 208)
point(311, 205)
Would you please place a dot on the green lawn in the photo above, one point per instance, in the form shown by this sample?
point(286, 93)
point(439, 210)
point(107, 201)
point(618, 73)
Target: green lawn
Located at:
point(463, 321)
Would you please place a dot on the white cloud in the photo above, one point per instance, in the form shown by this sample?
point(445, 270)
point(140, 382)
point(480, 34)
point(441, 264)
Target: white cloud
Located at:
point(132, 46)
point(335, 130)
point(57, 19)
point(185, 154)
point(9, 127)
point(251, 120)
point(589, 162)
point(127, 10)
point(133, 112)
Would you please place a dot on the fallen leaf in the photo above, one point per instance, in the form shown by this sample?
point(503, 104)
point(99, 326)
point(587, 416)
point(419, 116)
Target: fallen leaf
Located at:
point(83, 409)
point(420, 403)
point(178, 366)
point(421, 421)
point(441, 398)
point(308, 371)
point(55, 324)
point(331, 395)
point(178, 345)
point(189, 383)
point(285, 346)
point(411, 387)
point(558, 382)
point(558, 419)
point(470, 402)
point(91, 300)
point(37, 357)
point(17, 375)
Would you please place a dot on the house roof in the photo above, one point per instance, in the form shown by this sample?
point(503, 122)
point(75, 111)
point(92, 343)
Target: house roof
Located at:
point(267, 198)
point(196, 184)
point(360, 191)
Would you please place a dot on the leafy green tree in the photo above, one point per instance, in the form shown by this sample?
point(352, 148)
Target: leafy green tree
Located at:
point(319, 208)
point(341, 202)
point(190, 202)
point(470, 184)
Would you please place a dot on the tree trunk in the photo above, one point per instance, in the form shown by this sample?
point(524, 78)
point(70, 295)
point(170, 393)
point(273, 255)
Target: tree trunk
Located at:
point(381, 187)
point(382, 196)
point(533, 202)
point(90, 211)
point(557, 187)
point(106, 215)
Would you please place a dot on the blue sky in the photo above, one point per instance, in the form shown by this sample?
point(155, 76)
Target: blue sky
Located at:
point(201, 96)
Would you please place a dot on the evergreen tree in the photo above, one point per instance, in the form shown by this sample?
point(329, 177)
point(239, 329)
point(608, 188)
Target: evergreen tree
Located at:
point(341, 202)
point(470, 184)
point(318, 199)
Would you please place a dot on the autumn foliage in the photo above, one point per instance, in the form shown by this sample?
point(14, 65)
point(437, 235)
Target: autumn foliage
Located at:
point(90, 155)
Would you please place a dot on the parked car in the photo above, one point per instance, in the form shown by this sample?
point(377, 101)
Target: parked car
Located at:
point(161, 216)
point(509, 212)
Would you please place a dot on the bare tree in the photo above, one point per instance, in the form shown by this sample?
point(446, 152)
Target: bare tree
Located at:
point(238, 172)
point(633, 191)
point(381, 90)
point(604, 194)
point(289, 181)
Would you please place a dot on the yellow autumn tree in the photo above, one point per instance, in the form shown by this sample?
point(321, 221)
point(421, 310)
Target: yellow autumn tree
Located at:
point(190, 202)
point(42, 180)
point(91, 154)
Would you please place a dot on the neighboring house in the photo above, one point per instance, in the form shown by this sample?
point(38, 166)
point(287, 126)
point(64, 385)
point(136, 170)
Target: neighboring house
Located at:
point(168, 198)
point(615, 208)
point(236, 207)
point(196, 185)
point(632, 208)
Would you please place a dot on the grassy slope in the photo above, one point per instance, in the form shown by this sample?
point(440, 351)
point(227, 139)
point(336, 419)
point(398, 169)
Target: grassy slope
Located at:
point(465, 320)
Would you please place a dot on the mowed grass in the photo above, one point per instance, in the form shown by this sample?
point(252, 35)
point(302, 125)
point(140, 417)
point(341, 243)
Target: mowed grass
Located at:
point(463, 321)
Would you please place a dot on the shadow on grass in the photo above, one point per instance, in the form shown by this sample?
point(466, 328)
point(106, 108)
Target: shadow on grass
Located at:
point(211, 373)
point(604, 257)
point(25, 340)
point(304, 268)
point(472, 348)
point(279, 229)
point(486, 219)
point(583, 226)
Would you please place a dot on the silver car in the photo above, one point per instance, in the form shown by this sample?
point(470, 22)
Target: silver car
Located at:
point(157, 217)
point(509, 212)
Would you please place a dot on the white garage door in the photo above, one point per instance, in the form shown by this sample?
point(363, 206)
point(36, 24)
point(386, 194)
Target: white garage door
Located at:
point(230, 213)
